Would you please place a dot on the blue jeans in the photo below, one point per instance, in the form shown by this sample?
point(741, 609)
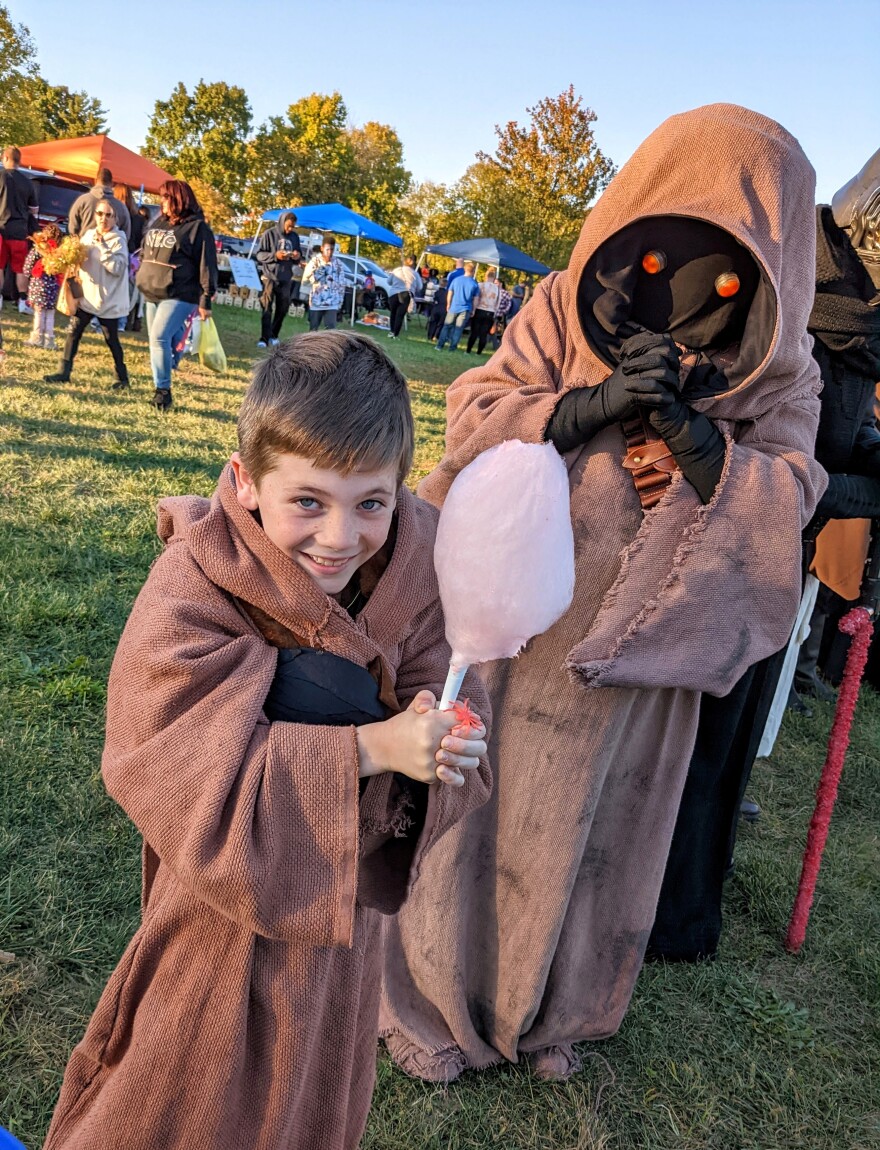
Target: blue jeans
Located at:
point(165, 323)
point(452, 329)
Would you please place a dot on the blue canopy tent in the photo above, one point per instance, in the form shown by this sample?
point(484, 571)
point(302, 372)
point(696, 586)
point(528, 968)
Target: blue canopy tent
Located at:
point(340, 219)
point(492, 252)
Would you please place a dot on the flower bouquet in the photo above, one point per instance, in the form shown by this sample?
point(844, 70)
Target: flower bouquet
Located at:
point(64, 259)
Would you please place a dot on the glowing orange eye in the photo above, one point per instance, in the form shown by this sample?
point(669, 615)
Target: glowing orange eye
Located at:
point(727, 284)
point(654, 262)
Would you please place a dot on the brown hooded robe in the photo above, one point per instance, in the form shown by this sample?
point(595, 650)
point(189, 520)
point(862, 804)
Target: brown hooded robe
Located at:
point(243, 1013)
point(539, 937)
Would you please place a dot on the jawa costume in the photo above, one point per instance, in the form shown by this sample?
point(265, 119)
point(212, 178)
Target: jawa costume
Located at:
point(551, 888)
point(852, 340)
point(846, 331)
point(243, 1013)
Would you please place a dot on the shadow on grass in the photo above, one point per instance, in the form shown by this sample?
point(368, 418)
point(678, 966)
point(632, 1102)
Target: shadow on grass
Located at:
point(127, 457)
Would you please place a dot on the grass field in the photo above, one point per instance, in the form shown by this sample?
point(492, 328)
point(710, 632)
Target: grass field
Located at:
point(756, 1051)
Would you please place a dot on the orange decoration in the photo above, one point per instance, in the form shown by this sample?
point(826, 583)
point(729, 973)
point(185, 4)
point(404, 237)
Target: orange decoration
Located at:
point(468, 720)
point(727, 284)
point(653, 262)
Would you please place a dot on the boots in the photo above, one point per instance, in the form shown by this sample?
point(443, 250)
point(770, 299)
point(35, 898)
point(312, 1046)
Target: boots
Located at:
point(121, 383)
point(162, 398)
point(63, 373)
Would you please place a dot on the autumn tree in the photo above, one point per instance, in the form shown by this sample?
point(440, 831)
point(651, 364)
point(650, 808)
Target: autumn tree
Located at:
point(18, 66)
point(63, 114)
point(303, 158)
point(378, 176)
point(203, 135)
point(536, 189)
point(424, 217)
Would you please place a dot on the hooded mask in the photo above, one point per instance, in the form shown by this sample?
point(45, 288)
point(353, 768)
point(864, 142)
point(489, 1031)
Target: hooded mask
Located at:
point(683, 276)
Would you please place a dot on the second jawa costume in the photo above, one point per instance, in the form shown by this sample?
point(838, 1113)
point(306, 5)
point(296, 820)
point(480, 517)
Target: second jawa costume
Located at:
point(549, 892)
point(845, 325)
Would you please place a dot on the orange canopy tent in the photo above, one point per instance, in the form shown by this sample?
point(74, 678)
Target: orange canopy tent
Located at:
point(81, 159)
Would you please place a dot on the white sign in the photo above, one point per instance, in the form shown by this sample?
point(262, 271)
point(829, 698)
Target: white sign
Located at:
point(245, 273)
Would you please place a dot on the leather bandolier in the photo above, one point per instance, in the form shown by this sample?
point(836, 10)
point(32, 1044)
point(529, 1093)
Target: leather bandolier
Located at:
point(648, 460)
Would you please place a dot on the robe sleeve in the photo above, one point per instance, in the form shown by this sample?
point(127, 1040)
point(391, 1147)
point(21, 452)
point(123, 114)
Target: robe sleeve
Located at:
point(259, 821)
point(511, 397)
point(703, 593)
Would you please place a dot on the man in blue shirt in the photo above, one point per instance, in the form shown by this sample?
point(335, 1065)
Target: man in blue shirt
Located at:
point(461, 299)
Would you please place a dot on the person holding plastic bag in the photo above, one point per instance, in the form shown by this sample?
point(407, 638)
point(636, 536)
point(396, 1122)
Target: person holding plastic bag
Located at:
point(178, 274)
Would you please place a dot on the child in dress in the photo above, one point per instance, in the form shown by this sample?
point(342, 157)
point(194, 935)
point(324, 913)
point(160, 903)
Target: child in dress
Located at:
point(272, 731)
point(43, 288)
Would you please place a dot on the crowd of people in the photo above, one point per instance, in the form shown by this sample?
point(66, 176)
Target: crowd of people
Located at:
point(126, 266)
point(327, 855)
point(166, 270)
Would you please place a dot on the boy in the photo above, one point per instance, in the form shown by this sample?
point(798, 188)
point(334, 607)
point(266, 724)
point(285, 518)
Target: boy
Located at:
point(244, 1012)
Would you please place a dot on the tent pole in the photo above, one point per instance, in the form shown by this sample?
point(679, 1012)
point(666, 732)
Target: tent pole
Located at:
point(354, 290)
point(256, 237)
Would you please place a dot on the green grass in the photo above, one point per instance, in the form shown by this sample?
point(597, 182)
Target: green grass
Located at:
point(756, 1051)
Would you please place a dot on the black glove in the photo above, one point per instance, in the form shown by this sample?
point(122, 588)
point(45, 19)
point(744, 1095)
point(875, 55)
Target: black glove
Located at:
point(647, 373)
point(696, 443)
point(850, 497)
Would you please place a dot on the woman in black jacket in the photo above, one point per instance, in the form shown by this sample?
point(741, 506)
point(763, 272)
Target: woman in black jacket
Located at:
point(178, 274)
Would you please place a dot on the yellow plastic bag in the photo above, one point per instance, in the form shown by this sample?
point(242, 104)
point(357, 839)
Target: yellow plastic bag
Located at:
point(211, 353)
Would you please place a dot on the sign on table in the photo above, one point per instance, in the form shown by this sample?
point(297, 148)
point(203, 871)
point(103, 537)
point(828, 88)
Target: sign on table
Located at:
point(245, 273)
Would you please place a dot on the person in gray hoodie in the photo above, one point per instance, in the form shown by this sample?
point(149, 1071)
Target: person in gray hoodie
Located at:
point(278, 254)
point(82, 212)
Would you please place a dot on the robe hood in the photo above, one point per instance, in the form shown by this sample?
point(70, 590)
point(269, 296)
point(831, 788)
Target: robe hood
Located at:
point(743, 173)
point(235, 553)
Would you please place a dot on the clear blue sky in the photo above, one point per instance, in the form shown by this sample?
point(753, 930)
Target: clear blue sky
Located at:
point(443, 74)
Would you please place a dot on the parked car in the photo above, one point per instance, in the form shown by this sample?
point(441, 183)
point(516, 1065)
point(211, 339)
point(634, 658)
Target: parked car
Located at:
point(234, 245)
point(55, 196)
point(382, 278)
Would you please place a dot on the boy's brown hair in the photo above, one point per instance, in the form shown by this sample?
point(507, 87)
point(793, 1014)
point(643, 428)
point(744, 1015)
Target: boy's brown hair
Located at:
point(333, 397)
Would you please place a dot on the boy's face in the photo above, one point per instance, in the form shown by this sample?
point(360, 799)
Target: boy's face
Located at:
point(328, 523)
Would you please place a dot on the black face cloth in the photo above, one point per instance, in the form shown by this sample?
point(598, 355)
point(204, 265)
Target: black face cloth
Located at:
point(616, 296)
point(321, 688)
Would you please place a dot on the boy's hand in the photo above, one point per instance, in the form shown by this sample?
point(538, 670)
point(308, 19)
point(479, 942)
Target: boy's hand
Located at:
point(422, 743)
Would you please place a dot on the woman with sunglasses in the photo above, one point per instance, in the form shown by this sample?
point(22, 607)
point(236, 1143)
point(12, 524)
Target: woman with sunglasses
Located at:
point(178, 274)
point(103, 279)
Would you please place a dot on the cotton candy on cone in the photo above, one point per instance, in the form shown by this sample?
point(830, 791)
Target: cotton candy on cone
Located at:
point(505, 551)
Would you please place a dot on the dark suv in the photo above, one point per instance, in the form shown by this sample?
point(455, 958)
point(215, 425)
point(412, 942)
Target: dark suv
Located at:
point(55, 196)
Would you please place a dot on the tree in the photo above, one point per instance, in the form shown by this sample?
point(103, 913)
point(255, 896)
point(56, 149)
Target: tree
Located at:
point(537, 188)
point(423, 217)
point(63, 114)
point(219, 215)
point(204, 136)
point(378, 174)
point(307, 158)
point(313, 156)
point(18, 65)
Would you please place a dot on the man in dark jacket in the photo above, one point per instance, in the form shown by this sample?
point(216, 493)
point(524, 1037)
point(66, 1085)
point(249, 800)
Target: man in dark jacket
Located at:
point(82, 212)
point(278, 254)
point(18, 209)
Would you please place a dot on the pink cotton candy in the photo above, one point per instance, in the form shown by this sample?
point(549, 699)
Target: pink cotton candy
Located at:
point(505, 551)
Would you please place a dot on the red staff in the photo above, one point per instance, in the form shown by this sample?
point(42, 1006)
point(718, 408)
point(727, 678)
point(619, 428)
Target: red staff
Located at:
point(859, 624)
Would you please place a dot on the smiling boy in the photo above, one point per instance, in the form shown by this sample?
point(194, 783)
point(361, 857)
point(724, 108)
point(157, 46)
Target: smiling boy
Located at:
point(272, 732)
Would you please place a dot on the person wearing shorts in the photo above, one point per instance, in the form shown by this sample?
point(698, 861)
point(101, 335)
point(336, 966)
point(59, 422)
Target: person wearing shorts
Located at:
point(18, 204)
